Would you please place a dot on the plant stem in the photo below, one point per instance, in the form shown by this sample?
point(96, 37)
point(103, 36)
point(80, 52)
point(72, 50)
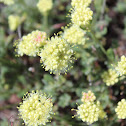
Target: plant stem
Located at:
point(57, 77)
point(89, 79)
point(45, 22)
point(19, 31)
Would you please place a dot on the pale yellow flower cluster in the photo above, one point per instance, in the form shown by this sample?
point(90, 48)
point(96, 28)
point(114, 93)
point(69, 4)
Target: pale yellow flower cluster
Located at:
point(88, 96)
point(110, 77)
point(121, 66)
point(81, 14)
point(7, 2)
point(35, 109)
point(14, 21)
point(75, 35)
point(45, 5)
point(90, 111)
point(56, 55)
point(78, 3)
point(121, 109)
point(31, 44)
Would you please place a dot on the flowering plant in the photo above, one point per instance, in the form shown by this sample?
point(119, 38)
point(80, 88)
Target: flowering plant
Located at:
point(73, 51)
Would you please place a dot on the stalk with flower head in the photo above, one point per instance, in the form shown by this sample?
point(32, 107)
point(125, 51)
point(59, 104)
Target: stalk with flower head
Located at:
point(90, 110)
point(44, 6)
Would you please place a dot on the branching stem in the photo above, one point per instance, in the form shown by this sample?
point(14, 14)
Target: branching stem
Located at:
point(19, 31)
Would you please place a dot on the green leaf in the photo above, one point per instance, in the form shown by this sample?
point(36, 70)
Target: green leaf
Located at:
point(110, 54)
point(64, 100)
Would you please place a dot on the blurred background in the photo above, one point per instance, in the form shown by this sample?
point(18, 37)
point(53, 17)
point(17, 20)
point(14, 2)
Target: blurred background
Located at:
point(19, 75)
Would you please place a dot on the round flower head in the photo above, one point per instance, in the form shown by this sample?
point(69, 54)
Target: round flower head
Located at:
point(88, 97)
point(35, 109)
point(110, 77)
point(31, 44)
point(89, 112)
point(14, 22)
point(56, 55)
point(44, 5)
point(78, 3)
point(121, 67)
point(82, 16)
point(121, 109)
point(75, 35)
point(7, 2)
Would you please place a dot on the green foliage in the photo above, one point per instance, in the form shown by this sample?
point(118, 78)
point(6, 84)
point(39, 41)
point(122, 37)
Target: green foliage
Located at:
point(24, 74)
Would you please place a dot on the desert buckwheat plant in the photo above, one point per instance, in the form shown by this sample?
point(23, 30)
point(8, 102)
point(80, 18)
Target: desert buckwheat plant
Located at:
point(35, 109)
point(56, 55)
point(31, 44)
point(90, 111)
point(68, 59)
point(110, 77)
point(75, 35)
point(81, 13)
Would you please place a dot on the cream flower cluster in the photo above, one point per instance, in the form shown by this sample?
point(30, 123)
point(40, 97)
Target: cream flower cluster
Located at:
point(7, 2)
point(121, 109)
point(30, 44)
point(121, 66)
point(56, 55)
point(14, 22)
point(44, 5)
point(110, 77)
point(88, 96)
point(90, 111)
point(81, 14)
point(75, 35)
point(35, 109)
point(78, 3)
